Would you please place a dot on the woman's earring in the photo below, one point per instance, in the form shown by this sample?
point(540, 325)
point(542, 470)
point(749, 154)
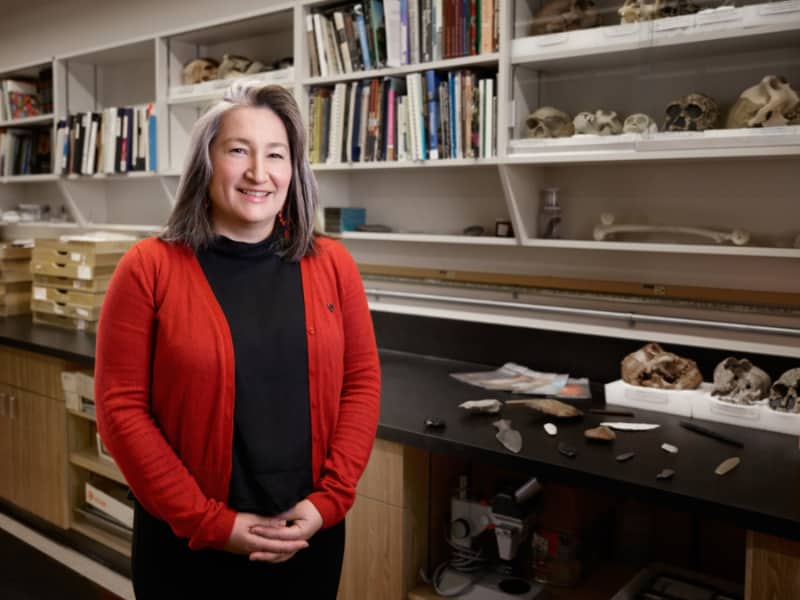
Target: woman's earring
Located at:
point(283, 219)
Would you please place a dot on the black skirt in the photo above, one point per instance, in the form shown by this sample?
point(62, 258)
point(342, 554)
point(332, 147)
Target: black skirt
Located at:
point(164, 567)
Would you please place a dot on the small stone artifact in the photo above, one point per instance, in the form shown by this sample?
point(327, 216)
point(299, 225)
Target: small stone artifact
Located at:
point(549, 122)
point(565, 15)
point(549, 406)
point(639, 123)
point(600, 122)
point(624, 426)
point(727, 465)
point(665, 474)
point(603, 434)
point(693, 112)
point(550, 429)
point(651, 366)
point(770, 103)
point(785, 392)
point(490, 405)
point(625, 456)
point(669, 448)
point(740, 382)
point(567, 450)
point(510, 438)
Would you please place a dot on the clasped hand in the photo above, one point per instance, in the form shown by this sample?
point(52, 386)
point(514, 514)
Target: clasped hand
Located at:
point(274, 539)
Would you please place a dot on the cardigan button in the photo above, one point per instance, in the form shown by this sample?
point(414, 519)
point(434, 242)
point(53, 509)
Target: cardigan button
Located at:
point(312, 331)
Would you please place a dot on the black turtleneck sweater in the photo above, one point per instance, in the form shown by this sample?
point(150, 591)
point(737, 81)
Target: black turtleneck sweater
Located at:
point(262, 298)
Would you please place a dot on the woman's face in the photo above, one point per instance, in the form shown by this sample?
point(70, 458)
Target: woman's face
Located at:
point(251, 172)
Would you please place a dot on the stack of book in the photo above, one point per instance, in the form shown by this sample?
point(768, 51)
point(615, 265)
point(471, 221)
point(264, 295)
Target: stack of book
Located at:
point(24, 151)
point(107, 506)
point(15, 278)
point(423, 116)
point(70, 277)
point(359, 36)
point(116, 140)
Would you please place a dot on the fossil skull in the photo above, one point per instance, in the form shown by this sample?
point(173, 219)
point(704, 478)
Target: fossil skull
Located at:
point(600, 122)
point(199, 69)
point(633, 11)
point(639, 123)
point(565, 15)
point(549, 122)
point(740, 382)
point(693, 112)
point(674, 8)
point(785, 392)
point(770, 103)
point(651, 366)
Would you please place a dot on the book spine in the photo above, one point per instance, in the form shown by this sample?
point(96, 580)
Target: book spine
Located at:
point(311, 41)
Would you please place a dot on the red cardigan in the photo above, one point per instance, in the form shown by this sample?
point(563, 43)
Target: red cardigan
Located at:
point(164, 385)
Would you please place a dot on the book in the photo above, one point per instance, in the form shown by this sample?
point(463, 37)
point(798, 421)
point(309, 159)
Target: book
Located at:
point(378, 28)
point(20, 98)
point(311, 41)
point(394, 31)
point(360, 23)
point(319, 36)
point(353, 40)
point(432, 80)
point(341, 40)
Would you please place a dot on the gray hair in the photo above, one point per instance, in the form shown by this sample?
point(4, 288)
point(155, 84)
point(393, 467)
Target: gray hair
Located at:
point(190, 221)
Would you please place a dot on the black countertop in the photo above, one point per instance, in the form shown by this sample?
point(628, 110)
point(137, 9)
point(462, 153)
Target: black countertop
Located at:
point(763, 493)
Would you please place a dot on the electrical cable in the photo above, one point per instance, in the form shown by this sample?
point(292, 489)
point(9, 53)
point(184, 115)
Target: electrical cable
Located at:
point(469, 562)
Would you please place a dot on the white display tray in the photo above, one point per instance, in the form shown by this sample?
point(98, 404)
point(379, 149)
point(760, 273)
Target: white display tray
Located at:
point(218, 85)
point(675, 402)
point(755, 416)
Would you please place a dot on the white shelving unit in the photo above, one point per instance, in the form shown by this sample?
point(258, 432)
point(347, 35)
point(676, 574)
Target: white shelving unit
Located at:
point(721, 179)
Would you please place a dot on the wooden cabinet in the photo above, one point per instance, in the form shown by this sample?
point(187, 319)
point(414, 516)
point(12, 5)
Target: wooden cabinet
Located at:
point(387, 528)
point(33, 435)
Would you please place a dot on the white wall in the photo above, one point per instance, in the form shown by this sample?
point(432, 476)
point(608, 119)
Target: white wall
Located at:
point(35, 30)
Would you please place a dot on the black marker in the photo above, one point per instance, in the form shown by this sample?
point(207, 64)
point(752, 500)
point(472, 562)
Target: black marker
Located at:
point(711, 433)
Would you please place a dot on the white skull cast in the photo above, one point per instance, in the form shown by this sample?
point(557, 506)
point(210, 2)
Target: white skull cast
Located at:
point(651, 366)
point(785, 392)
point(600, 122)
point(633, 11)
point(693, 112)
point(770, 103)
point(740, 382)
point(549, 122)
point(639, 123)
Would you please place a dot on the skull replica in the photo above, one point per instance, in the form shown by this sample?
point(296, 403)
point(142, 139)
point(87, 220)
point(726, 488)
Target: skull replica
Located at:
point(639, 123)
point(770, 103)
point(233, 66)
point(565, 15)
point(695, 112)
point(785, 393)
point(549, 122)
point(200, 69)
point(633, 11)
point(740, 382)
point(650, 366)
point(601, 122)
point(674, 8)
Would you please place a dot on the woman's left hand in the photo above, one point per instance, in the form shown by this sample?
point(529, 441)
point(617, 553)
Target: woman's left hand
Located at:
point(305, 522)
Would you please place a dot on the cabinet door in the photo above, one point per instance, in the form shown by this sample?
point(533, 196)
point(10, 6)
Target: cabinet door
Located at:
point(7, 491)
point(39, 453)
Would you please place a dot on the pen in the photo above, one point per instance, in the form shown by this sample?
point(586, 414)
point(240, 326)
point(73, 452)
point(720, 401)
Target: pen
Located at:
point(711, 433)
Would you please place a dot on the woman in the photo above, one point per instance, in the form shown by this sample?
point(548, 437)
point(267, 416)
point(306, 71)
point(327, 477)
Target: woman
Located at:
point(237, 378)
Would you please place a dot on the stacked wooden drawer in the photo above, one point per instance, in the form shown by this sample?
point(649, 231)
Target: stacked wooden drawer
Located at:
point(15, 279)
point(70, 278)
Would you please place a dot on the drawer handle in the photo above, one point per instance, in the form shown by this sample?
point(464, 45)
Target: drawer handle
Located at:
point(3, 404)
point(12, 406)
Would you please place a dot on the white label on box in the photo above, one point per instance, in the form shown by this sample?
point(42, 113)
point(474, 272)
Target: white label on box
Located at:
point(648, 397)
point(39, 293)
point(84, 272)
point(738, 411)
point(82, 312)
point(553, 39)
point(622, 30)
point(80, 325)
point(75, 257)
point(723, 14)
point(682, 22)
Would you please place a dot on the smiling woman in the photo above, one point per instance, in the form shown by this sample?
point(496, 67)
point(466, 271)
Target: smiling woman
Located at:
point(237, 381)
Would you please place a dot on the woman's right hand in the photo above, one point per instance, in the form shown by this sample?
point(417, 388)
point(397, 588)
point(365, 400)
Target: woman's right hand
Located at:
point(270, 549)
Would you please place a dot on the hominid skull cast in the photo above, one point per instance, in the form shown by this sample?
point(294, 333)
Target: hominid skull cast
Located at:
point(693, 112)
point(785, 392)
point(740, 382)
point(770, 103)
point(549, 122)
point(651, 366)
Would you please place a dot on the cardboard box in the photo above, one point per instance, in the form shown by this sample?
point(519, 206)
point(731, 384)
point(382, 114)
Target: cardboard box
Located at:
point(111, 498)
